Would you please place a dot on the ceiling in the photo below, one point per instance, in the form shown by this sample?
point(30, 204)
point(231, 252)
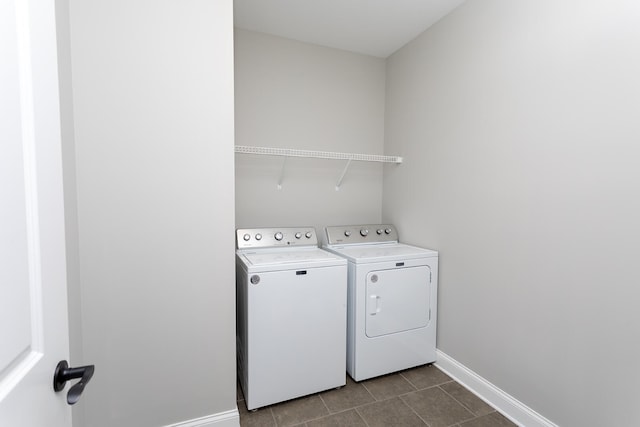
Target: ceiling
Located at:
point(370, 27)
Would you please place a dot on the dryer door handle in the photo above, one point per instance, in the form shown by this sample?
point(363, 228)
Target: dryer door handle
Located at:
point(375, 305)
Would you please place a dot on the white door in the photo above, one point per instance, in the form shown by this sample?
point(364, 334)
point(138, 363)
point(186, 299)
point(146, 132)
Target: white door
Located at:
point(397, 300)
point(33, 308)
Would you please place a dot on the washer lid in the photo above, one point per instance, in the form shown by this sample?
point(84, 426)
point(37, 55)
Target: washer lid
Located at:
point(381, 252)
point(265, 260)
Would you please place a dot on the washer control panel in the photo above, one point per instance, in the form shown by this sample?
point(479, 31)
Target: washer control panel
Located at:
point(275, 237)
point(359, 234)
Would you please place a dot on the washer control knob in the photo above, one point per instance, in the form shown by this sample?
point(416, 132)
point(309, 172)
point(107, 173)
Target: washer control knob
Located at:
point(387, 231)
point(364, 232)
point(246, 237)
point(298, 235)
point(278, 236)
point(258, 236)
point(308, 234)
point(347, 233)
point(379, 231)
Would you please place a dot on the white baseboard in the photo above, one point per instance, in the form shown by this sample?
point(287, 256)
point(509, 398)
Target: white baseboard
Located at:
point(510, 407)
point(221, 419)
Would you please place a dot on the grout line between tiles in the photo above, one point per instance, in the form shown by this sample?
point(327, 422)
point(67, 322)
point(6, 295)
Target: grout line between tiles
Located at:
point(473, 415)
point(375, 399)
point(361, 417)
point(413, 410)
point(425, 388)
point(325, 403)
point(407, 380)
point(465, 406)
point(454, 398)
point(273, 417)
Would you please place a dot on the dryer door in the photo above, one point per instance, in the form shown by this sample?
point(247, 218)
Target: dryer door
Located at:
point(397, 300)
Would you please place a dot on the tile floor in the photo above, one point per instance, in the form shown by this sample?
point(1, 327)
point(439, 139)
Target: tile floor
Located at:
point(422, 396)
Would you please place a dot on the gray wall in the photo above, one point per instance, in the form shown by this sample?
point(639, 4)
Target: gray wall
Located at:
point(297, 95)
point(153, 111)
point(518, 122)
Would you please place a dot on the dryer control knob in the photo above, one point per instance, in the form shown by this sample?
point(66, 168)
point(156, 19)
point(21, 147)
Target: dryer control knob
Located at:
point(246, 237)
point(308, 235)
point(379, 231)
point(258, 236)
point(278, 236)
point(347, 233)
point(364, 232)
point(387, 231)
point(298, 235)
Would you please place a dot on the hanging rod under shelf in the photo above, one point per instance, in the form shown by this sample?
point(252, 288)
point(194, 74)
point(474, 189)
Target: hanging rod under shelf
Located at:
point(289, 152)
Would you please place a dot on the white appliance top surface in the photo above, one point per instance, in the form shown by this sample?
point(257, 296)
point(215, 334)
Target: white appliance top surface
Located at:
point(287, 259)
point(381, 252)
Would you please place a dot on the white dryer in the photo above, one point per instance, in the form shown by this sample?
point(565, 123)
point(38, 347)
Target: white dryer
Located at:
point(392, 300)
point(291, 315)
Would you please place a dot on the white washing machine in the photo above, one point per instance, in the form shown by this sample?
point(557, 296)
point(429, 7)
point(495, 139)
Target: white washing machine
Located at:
point(392, 299)
point(291, 315)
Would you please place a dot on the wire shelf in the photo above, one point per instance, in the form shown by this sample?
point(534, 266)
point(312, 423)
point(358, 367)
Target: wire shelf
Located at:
point(289, 152)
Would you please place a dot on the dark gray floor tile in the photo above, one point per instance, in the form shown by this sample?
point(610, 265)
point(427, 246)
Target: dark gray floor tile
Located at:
point(392, 412)
point(494, 419)
point(262, 417)
point(425, 376)
point(436, 407)
point(469, 400)
point(437, 402)
point(346, 419)
point(299, 411)
point(347, 397)
point(383, 388)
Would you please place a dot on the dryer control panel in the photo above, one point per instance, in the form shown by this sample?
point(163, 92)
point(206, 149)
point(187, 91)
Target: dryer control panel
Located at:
point(275, 237)
point(361, 234)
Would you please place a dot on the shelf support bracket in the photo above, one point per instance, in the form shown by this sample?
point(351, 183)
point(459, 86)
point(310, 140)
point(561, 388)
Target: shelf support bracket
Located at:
point(284, 162)
point(344, 172)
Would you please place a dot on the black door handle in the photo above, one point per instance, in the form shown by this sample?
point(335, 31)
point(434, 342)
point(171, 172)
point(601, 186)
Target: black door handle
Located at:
point(64, 373)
